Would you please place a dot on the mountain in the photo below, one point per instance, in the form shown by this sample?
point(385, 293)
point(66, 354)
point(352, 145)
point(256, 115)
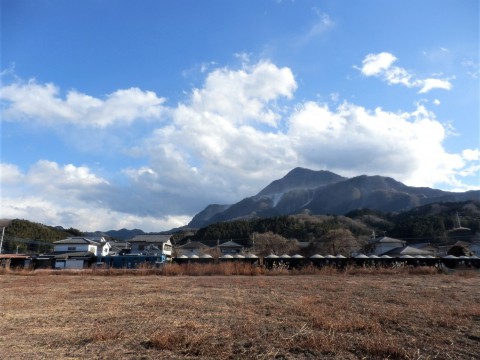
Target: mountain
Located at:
point(124, 234)
point(323, 192)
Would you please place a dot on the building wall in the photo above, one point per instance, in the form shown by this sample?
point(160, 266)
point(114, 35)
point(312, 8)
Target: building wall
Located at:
point(75, 247)
point(139, 247)
point(69, 264)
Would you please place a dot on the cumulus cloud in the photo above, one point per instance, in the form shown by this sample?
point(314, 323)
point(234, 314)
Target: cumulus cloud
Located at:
point(243, 95)
point(71, 196)
point(227, 140)
point(10, 174)
point(376, 64)
point(471, 154)
point(42, 103)
point(381, 65)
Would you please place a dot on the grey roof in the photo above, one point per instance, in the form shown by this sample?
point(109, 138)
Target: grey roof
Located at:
point(193, 245)
point(422, 245)
point(119, 245)
point(386, 239)
point(231, 244)
point(77, 241)
point(407, 250)
point(150, 238)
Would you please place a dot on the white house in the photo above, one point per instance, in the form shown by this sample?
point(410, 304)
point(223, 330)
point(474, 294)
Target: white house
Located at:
point(152, 245)
point(97, 246)
point(379, 246)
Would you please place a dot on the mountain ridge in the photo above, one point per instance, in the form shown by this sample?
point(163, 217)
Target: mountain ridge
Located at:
point(324, 192)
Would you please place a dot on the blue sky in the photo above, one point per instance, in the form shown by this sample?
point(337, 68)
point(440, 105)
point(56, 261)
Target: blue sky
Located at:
point(138, 114)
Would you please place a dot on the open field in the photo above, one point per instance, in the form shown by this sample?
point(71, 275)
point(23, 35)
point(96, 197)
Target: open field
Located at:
point(331, 316)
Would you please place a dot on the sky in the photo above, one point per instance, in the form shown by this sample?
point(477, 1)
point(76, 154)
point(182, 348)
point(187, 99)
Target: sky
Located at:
point(138, 114)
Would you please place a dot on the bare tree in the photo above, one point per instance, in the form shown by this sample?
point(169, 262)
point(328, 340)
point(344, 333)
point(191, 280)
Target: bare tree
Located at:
point(337, 242)
point(270, 243)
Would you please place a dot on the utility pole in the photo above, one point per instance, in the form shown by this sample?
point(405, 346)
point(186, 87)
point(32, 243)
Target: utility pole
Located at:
point(1, 241)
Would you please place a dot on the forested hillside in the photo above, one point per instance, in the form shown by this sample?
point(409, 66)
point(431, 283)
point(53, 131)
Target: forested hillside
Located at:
point(434, 223)
point(429, 223)
point(32, 237)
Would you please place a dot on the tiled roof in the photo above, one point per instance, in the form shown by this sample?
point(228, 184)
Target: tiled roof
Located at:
point(76, 240)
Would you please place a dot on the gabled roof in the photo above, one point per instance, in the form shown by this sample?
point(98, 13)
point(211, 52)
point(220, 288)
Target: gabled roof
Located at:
point(386, 239)
point(76, 241)
point(193, 245)
point(150, 238)
point(407, 250)
point(231, 244)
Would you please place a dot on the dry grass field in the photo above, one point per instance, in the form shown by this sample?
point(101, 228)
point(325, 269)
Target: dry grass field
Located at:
point(321, 316)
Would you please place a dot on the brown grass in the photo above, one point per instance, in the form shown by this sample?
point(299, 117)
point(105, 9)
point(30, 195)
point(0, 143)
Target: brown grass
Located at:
point(325, 315)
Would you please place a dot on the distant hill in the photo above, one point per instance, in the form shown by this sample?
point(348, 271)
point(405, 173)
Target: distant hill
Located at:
point(122, 234)
point(323, 192)
point(30, 236)
point(26, 229)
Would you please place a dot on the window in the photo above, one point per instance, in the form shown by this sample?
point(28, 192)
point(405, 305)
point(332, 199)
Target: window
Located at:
point(72, 248)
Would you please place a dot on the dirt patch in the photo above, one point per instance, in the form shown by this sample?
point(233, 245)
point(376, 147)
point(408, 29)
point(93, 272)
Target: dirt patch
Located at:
point(237, 317)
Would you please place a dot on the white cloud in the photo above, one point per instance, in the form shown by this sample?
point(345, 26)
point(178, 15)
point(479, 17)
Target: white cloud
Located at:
point(243, 95)
point(323, 23)
point(376, 64)
point(353, 140)
point(48, 173)
point(472, 68)
point(429, 84)
point(471, 154)
point(71, 196)
point(381, 65)
point(10, 174)
point(42, 103)
point(227, 140)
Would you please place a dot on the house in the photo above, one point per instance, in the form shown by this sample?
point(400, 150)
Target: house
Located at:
point(152, 245)
point(407, 250)
point(427, 247)
point(231, 247)
point(74, 260)
point(379, 246)
point(97, 246)
point(192, 248)
point(119, 248)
